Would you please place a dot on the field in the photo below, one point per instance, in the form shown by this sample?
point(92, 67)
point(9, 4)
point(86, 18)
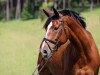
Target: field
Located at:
point(20, 40)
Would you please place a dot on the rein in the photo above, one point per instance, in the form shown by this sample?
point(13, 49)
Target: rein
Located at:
point(57, 44)
point(40, 68)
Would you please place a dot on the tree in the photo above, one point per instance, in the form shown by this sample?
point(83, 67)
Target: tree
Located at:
point(7, 10)
point(98, 2)
point(83, 5)
point(18, 10)
point(55, 4)
point(45, 1)
point(64, 4)
point(11, 8)
point(69, 4)
point(91, 5)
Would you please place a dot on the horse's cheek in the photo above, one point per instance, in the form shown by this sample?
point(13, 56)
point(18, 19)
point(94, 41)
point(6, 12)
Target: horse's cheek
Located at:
point(63, 38)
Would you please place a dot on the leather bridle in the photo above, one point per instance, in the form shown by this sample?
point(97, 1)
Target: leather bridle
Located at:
point(57, 42)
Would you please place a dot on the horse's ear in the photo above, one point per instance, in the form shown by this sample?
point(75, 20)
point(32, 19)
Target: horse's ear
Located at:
point(55, 12)
point(47, 14)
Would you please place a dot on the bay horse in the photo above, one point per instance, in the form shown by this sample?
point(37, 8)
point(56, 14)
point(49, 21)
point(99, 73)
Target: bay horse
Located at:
point(70, 48)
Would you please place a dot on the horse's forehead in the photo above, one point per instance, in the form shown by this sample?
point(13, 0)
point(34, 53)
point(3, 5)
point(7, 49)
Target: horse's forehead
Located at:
point(49, 26)
point(48, 29)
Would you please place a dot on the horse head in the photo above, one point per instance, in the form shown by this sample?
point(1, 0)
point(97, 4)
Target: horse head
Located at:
point(56, 33)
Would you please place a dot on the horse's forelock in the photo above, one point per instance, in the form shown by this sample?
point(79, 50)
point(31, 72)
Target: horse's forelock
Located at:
point(74, 15)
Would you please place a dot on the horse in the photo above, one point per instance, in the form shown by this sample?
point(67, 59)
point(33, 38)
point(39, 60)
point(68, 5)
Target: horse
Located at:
point(67, 46)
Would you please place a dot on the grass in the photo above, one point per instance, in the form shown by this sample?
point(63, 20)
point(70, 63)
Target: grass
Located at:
point(20, 40)
point(19, 43)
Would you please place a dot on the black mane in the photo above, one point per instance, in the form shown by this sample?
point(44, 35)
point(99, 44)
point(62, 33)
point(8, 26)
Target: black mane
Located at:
point(68, 13)
point(74, 15)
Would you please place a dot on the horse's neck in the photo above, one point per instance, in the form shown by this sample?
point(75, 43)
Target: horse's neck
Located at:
point(77, 44)
point(81, 34)
point(71, 56)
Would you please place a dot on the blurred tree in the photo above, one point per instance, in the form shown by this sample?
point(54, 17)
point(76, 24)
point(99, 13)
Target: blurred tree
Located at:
point(91, 5)
point(2, 9)
point(64, 4)
point(83, 4)
point(18, 10)
point(25, 13)
point(69, 4)
point(98, 2)
point(7, 10)
point(55, 4)
point(11, 8)
point(45, 1)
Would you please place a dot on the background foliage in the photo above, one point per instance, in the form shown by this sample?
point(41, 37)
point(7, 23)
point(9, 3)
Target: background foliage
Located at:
point(30, 9)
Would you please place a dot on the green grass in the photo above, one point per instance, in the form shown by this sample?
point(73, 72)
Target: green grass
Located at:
point(19, 43)
point(20, 40)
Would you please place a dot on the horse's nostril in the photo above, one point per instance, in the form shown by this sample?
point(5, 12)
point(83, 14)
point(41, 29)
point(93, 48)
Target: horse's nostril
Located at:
point(44, 51)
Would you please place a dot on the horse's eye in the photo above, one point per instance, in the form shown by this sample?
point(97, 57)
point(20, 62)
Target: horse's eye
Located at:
point(55, 28)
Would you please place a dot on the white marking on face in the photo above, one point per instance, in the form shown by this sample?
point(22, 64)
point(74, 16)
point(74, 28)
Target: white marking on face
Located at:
point(43, 44)
point(48, 28)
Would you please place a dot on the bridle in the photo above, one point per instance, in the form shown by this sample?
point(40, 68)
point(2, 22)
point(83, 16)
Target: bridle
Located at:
point(56, 42)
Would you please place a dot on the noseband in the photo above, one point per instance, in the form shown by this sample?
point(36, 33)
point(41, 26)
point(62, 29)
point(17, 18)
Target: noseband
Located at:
point(57, 43)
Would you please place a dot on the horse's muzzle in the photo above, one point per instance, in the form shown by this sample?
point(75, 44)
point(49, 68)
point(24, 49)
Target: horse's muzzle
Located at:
point(44, 53)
